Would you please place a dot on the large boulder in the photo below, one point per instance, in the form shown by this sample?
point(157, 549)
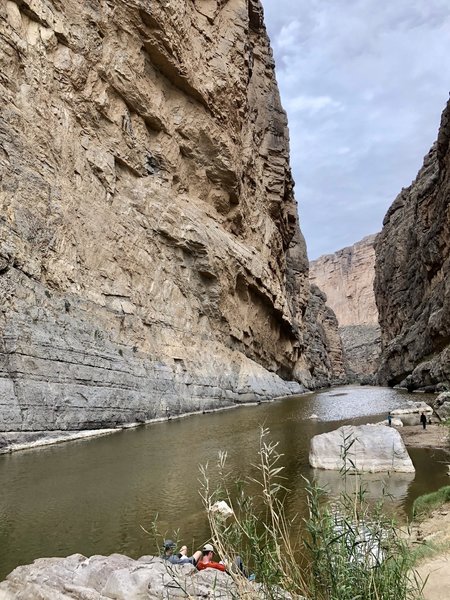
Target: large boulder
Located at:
point(365, 448)
point(411, 411)
point(442, 406)
point(120, 578)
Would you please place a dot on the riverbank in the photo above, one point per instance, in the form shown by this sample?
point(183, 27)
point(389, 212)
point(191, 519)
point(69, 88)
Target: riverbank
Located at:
point(434, 567)
point(14, 441)
point(434, 436)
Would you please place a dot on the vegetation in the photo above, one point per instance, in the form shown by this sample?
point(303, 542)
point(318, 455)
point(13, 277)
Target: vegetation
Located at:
point(424, 505)
point(348, 552)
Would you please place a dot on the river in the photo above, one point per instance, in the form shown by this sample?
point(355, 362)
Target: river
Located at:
point(93, 496)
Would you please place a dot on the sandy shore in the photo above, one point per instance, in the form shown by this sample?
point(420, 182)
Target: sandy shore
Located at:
point(434, 436)
point(435, 530)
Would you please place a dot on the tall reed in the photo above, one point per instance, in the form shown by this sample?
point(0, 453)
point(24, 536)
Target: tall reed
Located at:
point(346, 550)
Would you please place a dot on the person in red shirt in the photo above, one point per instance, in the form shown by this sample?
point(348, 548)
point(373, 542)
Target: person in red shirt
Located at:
point(206, 561)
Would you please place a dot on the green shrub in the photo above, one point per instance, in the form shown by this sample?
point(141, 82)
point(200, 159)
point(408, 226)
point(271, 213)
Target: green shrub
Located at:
point(424, 505)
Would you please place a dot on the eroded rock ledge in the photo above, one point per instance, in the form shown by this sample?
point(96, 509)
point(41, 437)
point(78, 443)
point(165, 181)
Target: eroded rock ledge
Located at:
point(150, 253)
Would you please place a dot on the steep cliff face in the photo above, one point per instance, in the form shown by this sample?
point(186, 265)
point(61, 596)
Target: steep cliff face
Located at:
point(347, 278)
point(412, 283)
point(324, 364)
point(150, 254)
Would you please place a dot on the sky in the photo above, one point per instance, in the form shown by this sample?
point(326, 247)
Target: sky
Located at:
point(364, 83)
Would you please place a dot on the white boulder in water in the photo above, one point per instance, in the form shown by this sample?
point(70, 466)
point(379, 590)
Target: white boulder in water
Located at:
point(369, 448)
point(314, 417)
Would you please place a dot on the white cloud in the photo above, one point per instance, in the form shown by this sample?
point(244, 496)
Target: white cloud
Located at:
point(312, 104)
point(363, 83)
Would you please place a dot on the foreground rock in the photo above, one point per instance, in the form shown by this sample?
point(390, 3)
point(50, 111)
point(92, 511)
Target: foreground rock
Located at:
point(118, 577)
point(371, 448)
point(413, 275)
point(151, 259)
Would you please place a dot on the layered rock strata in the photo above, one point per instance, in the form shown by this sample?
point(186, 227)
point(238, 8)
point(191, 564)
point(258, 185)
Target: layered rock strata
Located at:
point(151, 260)
point(412, 283)
point(347, 278)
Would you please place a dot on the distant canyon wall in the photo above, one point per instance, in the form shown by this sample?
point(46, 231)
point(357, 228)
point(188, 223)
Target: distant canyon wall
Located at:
point(347, 278)
point(151, 261)
point(412, 283)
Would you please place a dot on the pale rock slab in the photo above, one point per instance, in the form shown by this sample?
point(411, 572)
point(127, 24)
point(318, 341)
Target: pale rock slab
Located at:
point(394, 423)
point(118, 577)
point(412, 407)
point(374, 449)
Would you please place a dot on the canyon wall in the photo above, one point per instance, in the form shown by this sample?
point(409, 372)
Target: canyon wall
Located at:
point(412, 283)
point(347, 278)
point(151, 261)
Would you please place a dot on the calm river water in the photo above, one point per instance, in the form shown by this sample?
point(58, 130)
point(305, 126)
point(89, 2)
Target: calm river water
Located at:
point(92, 496)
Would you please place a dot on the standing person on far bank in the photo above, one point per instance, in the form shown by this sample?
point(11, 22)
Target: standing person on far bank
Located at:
point(389, 419)
point(423, 420)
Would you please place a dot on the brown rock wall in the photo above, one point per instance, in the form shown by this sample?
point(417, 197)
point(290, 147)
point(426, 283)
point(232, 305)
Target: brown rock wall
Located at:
point(150, 254)
point(412, 283)
point(347, 278)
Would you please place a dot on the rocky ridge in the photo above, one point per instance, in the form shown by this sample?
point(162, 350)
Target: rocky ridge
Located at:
point(412, 282)
point(150, 256)
point(347, 278)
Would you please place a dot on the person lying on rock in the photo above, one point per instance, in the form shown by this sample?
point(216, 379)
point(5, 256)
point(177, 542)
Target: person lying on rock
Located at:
point(206, 559)
point(181, 558)
point(206, 562)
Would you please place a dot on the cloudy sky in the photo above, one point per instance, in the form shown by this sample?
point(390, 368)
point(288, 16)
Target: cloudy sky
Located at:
point(364, 83)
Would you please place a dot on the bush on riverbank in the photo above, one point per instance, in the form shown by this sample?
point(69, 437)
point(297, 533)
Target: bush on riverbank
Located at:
point(424, 505)
point(349, 551)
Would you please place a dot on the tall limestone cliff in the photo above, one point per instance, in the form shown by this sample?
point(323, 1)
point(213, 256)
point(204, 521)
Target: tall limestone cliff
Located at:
point(151, 260)
point(347, 278)
point(412, 283)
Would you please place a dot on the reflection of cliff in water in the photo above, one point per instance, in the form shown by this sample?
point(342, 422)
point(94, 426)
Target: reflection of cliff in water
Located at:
point(392, 485)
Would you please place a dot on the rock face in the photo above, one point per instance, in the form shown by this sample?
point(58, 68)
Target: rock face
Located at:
point(150, 253)
point(412, 283)
point(347, 278)
point(322, 337)
point(117, 577)
point(375, 448)
point(442, 406)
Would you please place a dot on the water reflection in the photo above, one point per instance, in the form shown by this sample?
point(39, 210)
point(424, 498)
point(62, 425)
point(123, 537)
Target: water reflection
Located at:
point(391, 486)
point(93, 496)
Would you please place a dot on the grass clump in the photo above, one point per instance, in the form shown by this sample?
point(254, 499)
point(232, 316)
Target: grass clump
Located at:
point(344, 551)
point(424, 505)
